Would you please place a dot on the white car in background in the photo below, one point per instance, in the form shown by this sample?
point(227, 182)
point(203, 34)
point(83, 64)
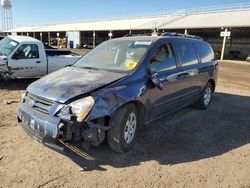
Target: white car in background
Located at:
point(26, 57)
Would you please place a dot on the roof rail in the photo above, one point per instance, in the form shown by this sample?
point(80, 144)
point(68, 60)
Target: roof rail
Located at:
point(136, 35)
point(171, 34)
point(143, 34)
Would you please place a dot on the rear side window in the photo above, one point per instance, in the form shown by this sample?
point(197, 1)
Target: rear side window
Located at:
point(205, 52)
point(187, 53)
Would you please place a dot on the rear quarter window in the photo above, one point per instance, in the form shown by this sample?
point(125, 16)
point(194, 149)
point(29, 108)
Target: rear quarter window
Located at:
point(187, 53)
point(205, 52)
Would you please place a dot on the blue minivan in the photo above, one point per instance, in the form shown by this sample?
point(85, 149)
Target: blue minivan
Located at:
point(117, 88)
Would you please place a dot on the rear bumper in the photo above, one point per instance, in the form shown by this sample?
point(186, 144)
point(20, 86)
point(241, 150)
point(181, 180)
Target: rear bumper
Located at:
point(41, 127)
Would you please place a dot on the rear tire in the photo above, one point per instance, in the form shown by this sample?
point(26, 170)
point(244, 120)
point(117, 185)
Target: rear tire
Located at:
point(124, 125)
point(206, 97)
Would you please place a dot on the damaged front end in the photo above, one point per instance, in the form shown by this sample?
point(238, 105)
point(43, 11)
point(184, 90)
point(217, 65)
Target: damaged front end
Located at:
point(48, 122)
point(87, 133)
point(5, 70)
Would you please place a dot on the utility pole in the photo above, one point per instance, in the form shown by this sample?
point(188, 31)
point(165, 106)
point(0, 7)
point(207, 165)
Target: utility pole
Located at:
point(94, 35)
point(41, 36)
point(110, 35)
point(186, 32)
point(49, 38)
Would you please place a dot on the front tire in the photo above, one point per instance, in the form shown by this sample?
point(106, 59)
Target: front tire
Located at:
point(206, 97)
point(124, 125)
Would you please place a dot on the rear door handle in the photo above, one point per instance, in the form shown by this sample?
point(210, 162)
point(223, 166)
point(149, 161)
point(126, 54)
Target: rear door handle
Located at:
point(38, 61)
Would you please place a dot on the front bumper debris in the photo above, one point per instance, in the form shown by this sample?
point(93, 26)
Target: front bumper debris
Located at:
point(39, 126)
point(50, 130)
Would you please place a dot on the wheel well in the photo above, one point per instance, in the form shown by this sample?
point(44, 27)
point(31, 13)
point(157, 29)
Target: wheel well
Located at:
point(212, 82)
point(141, 111)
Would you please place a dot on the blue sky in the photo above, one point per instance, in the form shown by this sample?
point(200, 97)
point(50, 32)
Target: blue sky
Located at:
point(34, 12)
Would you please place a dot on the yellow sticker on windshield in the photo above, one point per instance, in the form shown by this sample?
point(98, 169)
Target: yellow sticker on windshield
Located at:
point(130, 65)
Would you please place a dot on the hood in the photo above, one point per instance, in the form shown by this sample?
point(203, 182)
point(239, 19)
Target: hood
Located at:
point(71, 82)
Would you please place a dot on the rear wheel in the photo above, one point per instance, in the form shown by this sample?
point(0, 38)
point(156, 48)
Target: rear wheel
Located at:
point(206, 97)
point(124, 125)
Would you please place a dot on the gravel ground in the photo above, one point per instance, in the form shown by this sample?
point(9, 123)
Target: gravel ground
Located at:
point(190, 148)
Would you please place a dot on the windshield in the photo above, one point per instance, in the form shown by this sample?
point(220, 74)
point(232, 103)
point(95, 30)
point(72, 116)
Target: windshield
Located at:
point(7, 46)
point(115, 55)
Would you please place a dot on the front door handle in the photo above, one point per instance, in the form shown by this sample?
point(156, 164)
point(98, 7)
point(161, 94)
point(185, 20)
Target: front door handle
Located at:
point(38, 61)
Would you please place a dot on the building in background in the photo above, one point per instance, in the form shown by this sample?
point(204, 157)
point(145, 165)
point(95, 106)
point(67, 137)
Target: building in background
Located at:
point(226, 28)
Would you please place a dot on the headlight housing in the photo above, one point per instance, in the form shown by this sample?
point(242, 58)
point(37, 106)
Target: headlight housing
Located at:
point(80, 109)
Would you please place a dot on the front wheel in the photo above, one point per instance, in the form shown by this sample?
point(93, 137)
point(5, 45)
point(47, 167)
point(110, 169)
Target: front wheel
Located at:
point(206, 97)
point(124, 125)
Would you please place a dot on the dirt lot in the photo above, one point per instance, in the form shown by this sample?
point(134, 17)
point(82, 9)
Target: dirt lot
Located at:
point(191, 148)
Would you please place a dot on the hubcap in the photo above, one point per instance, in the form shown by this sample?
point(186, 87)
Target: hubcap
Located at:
point(207, 96)
point(130, 128)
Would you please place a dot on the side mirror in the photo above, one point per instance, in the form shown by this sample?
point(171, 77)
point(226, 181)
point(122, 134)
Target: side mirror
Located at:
point(156, 80)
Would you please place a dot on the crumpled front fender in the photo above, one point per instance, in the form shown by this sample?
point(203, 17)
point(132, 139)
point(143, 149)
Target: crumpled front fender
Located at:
point(105, 106)
point(5, 70)
point(109, 100)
